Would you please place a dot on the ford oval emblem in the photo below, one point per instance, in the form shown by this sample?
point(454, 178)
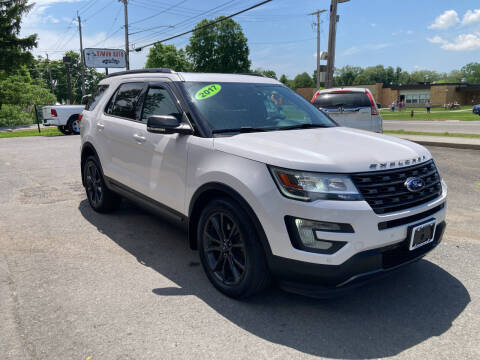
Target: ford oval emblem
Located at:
point(414, 184)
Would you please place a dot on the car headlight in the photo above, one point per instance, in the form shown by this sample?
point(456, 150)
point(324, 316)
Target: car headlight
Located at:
point(309, 186)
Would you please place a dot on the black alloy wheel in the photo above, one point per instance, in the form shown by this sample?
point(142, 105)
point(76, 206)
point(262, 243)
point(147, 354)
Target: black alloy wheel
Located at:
point(93, 184)
point(224, 248)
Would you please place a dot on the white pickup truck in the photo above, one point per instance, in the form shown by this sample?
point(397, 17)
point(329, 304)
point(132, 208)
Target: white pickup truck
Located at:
point(65, 117)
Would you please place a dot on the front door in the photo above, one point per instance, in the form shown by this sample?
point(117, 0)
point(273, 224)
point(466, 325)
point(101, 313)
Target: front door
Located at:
point(167, 153)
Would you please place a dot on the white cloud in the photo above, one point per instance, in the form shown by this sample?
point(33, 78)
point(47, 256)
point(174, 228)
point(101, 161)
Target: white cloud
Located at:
point(463, 42)
point(437, 40)
point(352, 50)
point(448, 19)
point(471, 17)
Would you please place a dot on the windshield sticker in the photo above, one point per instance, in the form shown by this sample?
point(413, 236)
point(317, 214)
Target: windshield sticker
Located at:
point(207, 91)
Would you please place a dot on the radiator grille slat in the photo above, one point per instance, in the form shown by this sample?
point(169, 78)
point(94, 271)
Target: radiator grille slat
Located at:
point(385, 190)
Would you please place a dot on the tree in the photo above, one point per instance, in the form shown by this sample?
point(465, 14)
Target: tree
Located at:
point(346, 75)
point(471, 72)
point(302, 80)
point(167, 56)
point(14, 50)
point(268, 73)
point(21, 90)
point(221, 47)
point(59, 77)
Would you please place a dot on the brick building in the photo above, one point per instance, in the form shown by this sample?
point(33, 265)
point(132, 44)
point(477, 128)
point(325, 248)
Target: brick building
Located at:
point(415, 95)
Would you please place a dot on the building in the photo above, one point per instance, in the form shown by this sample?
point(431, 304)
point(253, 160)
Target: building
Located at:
point(415, 95)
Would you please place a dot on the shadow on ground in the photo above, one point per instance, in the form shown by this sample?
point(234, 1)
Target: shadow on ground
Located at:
point(379, 320)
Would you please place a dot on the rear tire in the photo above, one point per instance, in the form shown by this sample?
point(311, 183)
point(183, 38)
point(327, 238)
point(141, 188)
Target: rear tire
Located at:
point(230, 250)
point(101, 198)
point(73, 125)
point(63, 130)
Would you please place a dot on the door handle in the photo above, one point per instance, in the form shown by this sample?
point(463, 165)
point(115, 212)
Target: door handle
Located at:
point(100, 126)
point(139, 138)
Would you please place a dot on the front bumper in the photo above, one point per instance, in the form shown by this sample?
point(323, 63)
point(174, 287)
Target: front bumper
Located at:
point(323, 281)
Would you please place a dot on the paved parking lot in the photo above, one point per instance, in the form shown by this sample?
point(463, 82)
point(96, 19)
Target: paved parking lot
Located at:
point(75, 284)
point(451, 126)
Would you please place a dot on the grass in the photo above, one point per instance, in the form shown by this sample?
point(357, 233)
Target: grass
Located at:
point(30, 132)
point(446, 134)
point(465, 114)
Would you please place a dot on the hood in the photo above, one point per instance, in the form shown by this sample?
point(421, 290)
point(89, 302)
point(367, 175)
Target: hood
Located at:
point(336, 149)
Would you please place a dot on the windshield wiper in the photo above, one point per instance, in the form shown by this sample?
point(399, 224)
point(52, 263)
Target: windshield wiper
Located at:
point(243, 129)
point(303, 126)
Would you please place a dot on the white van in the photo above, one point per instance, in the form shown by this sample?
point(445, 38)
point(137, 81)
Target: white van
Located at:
point(352, 107)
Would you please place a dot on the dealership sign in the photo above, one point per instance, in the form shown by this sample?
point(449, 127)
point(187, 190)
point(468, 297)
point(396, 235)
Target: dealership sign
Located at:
point(104, 58)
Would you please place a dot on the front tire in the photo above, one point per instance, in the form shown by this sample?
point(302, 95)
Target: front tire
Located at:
point(230, 250)
point(101, 198)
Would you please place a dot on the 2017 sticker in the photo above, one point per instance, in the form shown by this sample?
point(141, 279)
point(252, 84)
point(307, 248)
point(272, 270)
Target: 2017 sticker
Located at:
point(207, 91)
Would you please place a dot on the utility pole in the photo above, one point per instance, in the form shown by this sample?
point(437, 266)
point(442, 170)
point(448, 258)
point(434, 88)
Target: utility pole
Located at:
point(67, 60)
point(127, 56)
point(50, 74)
point(332, 35)
point(318, 12)
point(82, 60)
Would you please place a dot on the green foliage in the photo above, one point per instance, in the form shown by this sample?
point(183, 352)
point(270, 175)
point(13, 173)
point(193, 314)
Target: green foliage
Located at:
point(270, 73)
point(471, 72)
point(220, 48)
point(59, 77)
point(20, 90)
point(167, 56)
point(18, 95)
point(14, 51)
point(11, 115)
point(302, 80)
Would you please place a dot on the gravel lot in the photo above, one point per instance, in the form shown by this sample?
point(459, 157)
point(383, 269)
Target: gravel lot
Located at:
point(75, 284)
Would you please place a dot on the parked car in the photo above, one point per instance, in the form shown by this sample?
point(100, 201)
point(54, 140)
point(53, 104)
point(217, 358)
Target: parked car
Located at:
point(476, 109)
point(65, 117)
point(267, 186)
point(352, 107)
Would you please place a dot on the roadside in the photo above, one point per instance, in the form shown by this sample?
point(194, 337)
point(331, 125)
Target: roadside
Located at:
point(44, 131)
point(471, 143)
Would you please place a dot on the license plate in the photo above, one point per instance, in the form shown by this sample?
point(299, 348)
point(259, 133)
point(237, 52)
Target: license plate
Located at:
point(422, 234)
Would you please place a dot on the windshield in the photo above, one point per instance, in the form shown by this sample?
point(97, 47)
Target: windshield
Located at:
point(242, 107)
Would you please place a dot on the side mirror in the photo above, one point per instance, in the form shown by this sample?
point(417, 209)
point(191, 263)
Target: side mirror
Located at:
point(167, 124)
point(86, 99)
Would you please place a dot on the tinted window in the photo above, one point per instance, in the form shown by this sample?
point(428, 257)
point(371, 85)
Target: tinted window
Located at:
point(126, 101)
point(344, 99)
point(97, 95)
point(237, 105)
point(158, 102)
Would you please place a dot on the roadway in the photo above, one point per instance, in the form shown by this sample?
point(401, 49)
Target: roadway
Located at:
point(75, 284)
point(452, 126)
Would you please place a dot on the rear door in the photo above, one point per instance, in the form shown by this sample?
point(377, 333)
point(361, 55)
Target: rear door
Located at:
point(348, 108)
point(125, 136)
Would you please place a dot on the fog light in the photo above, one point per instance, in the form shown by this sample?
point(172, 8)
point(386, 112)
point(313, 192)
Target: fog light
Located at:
point(306, 230)
point(302, 234)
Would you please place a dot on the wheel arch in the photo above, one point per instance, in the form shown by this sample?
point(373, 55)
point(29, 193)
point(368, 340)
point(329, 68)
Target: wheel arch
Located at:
point(207, 193)
point(88, 150)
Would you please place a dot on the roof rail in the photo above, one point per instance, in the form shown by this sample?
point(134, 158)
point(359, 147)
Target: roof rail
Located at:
point(252, 74)
point(141, 71)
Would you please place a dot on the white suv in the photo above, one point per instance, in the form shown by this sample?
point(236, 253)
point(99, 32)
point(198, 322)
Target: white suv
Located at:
point(267, 186)
point(352, 107)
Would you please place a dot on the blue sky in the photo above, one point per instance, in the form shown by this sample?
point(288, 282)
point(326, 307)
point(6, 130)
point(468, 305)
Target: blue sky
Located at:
point(414, 34)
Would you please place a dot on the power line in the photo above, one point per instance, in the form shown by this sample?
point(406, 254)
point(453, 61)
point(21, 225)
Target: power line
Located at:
point(207, 25)
point(187, 21)
point(161, 12)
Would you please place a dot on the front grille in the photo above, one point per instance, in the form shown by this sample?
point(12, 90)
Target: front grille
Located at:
point(385, 190)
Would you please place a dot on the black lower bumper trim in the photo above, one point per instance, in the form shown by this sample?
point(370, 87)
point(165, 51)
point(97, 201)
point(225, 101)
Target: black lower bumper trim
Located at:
point(332, 280)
